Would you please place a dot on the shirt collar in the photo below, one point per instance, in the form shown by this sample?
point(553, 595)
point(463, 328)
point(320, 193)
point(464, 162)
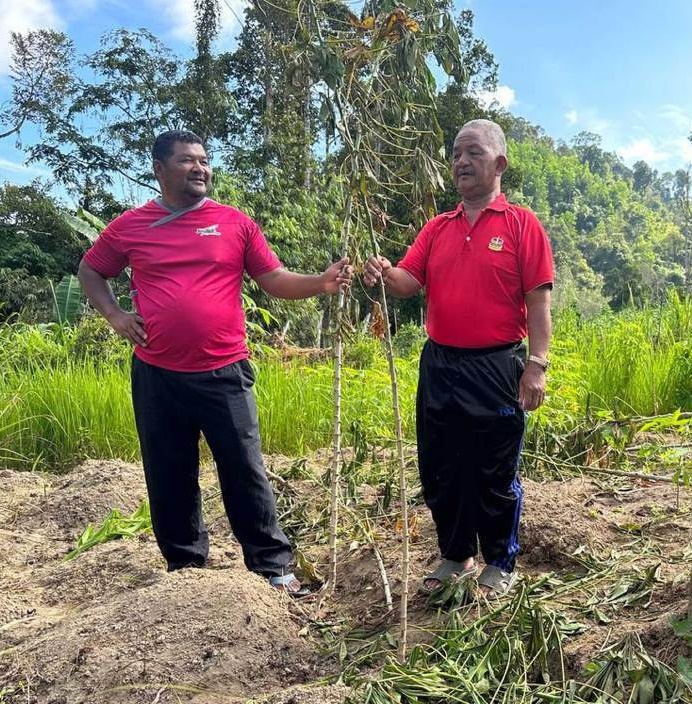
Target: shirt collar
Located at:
point(499, 205)
point(162, 204)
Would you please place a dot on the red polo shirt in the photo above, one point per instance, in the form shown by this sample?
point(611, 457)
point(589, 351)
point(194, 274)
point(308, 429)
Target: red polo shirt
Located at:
point(476, 276)
point(187, 275)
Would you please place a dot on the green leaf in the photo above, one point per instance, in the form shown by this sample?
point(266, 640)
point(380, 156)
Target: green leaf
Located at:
point(600, 616)
point(81, 226)
point(683, 628)
point(113, 527)
point(685, 670)
point(91, 219)
point(645, 690)
point(67, 299)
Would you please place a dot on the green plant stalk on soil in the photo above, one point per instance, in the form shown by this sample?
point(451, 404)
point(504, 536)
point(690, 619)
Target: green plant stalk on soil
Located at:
point(115, 526)
point(403, 499)
point(377, 68)
point(336, 442)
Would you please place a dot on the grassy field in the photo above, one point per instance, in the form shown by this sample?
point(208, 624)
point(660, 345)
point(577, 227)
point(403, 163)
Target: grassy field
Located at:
point(618, 568)
point(64, 392)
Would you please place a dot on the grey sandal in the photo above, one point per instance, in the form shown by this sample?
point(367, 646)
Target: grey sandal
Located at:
point(289, 584)
point(498, 581)
point(447, 570)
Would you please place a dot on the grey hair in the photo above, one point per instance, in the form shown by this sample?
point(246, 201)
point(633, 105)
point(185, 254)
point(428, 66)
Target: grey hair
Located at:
point(491, 131)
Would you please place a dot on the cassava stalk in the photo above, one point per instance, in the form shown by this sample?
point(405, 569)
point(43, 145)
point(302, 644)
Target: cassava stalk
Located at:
point(403, 614)
point(336, 438)
point(383, 575)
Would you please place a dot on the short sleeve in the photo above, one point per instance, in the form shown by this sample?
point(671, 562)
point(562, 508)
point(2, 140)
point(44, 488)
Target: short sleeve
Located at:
point(106, 256)
point(535, 254)
point(415, 261)
point(259, 257)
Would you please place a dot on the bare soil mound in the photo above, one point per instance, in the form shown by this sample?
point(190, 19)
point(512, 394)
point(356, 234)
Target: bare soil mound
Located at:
point(112, 626)
point(69, 502)
point(212, 630)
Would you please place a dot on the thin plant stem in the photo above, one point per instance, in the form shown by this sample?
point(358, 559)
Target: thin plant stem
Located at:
point(403, 612)
point(336, 441)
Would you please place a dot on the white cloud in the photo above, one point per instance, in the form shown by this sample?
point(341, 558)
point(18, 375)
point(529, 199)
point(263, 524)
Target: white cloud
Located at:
point(21, 17)
point(502, 96)
point(677, 115)
point(682, 149)
point(643, 149)
point(18, 168)
point(572, 117)
point(597, 124)
point(181, 15)
point(589, 120)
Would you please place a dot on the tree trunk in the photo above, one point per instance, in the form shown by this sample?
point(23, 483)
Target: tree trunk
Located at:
point(268, 90)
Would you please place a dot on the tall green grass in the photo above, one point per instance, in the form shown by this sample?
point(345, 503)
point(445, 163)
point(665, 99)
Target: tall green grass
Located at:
point(638, 362)
point(296, 403)
point(61, 402)
point(53, 417)
point(64, 393)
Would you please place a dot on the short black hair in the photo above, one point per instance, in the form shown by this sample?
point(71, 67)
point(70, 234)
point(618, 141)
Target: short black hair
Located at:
point(163, 145)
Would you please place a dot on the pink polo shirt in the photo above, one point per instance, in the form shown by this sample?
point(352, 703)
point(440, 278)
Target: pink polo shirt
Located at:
point(476, 276)
point(187, 275)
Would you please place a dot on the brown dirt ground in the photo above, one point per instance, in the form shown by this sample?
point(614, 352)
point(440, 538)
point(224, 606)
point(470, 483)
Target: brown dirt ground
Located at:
point(112, 626)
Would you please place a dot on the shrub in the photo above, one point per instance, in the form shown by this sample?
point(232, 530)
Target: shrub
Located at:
point(409, 340)
point(362, 352)
point(94, 339)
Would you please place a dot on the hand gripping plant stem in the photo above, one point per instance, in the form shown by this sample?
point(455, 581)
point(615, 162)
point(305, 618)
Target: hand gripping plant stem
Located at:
point(403, 608)
point(379, 96)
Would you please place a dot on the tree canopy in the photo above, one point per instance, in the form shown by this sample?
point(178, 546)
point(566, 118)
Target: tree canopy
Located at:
point(278, 113)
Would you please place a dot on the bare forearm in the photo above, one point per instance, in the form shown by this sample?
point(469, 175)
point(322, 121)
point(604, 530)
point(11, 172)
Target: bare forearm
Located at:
point(287, 284)
point(290, 285)
point(100, 295)
point(538, 321)
point(400, 283)
point(98, 291)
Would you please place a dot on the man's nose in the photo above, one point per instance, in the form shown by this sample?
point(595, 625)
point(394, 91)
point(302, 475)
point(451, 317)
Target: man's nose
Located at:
point(463, 159)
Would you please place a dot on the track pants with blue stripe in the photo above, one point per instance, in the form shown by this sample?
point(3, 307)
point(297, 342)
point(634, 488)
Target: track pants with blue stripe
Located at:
point(470, 429)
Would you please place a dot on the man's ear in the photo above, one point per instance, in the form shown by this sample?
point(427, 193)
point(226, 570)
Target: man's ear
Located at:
point(501, 165)
point(158, 165)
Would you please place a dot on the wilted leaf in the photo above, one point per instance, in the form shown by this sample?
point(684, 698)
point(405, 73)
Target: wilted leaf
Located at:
point(685, 669)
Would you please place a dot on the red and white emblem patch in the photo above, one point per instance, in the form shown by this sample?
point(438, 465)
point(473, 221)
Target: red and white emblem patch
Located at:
point(496, 244)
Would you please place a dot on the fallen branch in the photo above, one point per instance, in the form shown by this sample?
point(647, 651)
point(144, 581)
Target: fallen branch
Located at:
point(383, 575)
point(587, 469)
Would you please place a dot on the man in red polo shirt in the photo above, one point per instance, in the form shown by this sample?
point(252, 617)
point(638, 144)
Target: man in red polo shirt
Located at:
point(190, 371)
point(487, 270)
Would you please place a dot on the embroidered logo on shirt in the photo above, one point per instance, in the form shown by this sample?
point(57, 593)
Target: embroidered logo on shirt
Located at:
point(496, 244)
point(206, 231)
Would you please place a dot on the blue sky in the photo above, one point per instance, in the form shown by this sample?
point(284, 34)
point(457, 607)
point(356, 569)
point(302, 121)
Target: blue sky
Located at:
point(619, 69)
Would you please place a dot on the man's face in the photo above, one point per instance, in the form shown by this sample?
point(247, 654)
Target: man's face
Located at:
point(185, 176)
point(476, 168)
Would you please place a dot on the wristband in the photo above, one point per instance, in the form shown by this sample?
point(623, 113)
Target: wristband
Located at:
point(542, 363)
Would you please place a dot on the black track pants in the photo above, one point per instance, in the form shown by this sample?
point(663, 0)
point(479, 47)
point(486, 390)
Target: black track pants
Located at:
point(470, 429)
point(171, 408)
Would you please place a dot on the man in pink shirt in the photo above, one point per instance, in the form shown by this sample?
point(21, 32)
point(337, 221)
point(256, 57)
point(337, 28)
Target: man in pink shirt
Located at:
point(190, 371)
point(487, 270)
